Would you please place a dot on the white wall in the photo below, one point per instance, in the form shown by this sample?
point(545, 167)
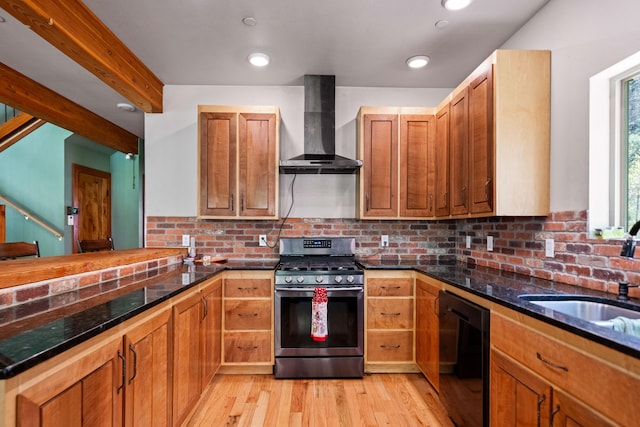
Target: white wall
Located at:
point(585, 37)
point(171, 144)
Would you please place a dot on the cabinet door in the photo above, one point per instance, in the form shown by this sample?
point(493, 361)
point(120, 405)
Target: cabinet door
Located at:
point(417, 167)
point(518, 397)
point(258, 158)
point(427, 332)
point(147, 393)
point(211, 331)
point(217, 164)
point(481, 142)
point(569, 412)
point(86, 392)
point(459, 153)
point(380, 165)
point(442, 162)
point(186, 356)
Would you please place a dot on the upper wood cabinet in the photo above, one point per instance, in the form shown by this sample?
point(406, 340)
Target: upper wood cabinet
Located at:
point(459, 152)
point(238, 161)
point(441, 186)
point(397, 178)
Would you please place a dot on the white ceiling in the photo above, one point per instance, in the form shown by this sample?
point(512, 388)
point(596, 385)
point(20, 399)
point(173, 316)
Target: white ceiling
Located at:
point(204, 42)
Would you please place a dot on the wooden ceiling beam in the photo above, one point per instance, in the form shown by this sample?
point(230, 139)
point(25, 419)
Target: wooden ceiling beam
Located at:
point(31, 97)
point(76, 31)
point(17, 128)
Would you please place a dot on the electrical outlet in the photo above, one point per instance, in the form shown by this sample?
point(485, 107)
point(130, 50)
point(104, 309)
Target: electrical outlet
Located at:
point(384, 240)
point(490, 243)
point(262, 239)
point(549, 248)
point(468, 242)
point(186, 240)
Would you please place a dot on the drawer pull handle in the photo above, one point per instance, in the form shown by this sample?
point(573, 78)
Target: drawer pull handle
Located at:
point(248, 289)
point(389, 287)
point(390, 347)
point(247, 314)
point(247, 347)
point(390, 314)
point(553, 365)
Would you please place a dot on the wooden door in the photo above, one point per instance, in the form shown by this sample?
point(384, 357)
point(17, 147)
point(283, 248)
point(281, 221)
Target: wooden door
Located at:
point(481, 143)
point(258, 162)
point(86, 392)
point(380, 165)
point(427, 332)
point(147, 393)
point(417, 142)
point(3, 223)
point(211, 331)
point(441, 188)
point(218, 163)
point(518, 397)
point(459, 153)
point(92, 196)
point(186, 356)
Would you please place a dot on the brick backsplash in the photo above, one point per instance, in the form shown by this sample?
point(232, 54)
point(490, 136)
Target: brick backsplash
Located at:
point(518, 243)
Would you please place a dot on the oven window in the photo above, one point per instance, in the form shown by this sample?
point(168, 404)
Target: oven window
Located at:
point(295, 323)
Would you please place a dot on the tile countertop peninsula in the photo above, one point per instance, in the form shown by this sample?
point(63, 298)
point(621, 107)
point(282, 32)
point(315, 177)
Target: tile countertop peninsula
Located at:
point(31, 333)
point(504, 288)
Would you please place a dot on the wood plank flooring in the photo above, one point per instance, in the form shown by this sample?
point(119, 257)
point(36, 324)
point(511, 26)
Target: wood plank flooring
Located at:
point(376, 400)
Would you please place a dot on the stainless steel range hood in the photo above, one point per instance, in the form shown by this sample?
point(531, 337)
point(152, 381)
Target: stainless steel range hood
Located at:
point(319, 132)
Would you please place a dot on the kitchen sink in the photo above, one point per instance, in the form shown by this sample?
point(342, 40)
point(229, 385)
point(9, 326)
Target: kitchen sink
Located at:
point(596, 310)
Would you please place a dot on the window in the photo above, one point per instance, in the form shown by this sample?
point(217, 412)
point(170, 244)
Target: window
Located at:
point(631, 140)
point(614, 146)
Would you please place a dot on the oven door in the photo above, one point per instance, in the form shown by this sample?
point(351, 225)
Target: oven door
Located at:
point(345, 322)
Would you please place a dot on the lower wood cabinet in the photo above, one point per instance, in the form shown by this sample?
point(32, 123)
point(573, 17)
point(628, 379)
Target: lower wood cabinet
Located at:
point(248, 322)
point(118, 378)
point(427, 330)
point(537, 379)
point(196, 346)
point(389, 322)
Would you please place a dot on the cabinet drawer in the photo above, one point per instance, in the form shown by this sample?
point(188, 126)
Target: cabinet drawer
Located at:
point(402, 287)
point(247, 347)
point(248, 288)
point(598, 384)
point(386, 313)
point(247, 314)
point(387, 346)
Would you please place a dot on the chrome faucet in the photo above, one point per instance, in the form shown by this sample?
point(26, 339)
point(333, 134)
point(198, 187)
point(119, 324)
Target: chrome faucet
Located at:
point(623, 290)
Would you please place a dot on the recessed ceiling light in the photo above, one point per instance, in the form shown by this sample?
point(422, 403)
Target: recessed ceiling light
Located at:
point(249, 21)
point(418, 61)
point(259, 59)
point(125, 107)
point(455, 4)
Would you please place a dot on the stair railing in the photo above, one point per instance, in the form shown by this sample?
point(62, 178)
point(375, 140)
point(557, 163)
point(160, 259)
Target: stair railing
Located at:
point(28, 216)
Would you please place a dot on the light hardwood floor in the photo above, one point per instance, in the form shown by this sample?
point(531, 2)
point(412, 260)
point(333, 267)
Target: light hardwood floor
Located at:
point(376, 400)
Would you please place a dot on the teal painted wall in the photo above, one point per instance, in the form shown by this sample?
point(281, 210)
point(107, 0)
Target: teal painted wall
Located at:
point(32, 176)
point(36, 173)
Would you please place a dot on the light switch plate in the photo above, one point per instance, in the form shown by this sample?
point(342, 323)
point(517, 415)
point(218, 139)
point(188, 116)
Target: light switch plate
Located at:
point(549, 248)
point(186, 241)
point(468, 242)
point(490, 243)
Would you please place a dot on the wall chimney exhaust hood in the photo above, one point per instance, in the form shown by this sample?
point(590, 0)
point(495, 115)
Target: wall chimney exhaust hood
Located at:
point(319, 132)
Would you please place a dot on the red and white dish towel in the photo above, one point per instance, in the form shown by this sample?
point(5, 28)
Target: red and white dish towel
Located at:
point(319, 328)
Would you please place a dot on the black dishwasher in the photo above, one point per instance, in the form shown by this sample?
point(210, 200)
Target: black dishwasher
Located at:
point(464, 360)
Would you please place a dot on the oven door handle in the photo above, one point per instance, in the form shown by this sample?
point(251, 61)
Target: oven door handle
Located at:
point(346, 289)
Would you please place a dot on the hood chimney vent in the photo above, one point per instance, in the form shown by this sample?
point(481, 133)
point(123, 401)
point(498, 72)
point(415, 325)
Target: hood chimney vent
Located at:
point(319, 132)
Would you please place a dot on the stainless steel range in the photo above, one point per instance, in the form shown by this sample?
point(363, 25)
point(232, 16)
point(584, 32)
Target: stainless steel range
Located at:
point(309, 267)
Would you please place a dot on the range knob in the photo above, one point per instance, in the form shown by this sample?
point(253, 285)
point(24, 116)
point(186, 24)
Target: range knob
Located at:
point(319, 279)
point(338, 279)
point(350, 279)
point(288, 279)
point(300, 279)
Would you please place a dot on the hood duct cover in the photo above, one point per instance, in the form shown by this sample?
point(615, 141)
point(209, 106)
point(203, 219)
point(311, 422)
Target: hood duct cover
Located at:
point(320, 132)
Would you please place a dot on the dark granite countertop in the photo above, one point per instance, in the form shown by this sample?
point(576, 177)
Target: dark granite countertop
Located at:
point(504, 288)
point(33, 332)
